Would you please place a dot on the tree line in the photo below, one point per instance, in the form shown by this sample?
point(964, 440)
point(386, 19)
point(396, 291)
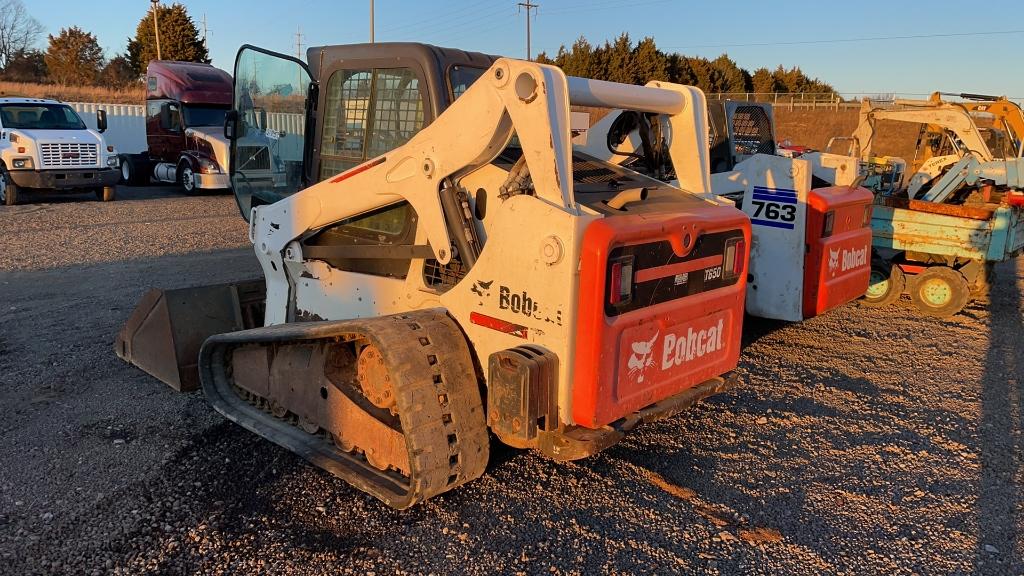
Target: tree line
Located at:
point(74, 57)
point(622, 61)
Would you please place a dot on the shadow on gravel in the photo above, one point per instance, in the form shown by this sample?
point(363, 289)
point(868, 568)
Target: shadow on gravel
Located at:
point(1002, 412)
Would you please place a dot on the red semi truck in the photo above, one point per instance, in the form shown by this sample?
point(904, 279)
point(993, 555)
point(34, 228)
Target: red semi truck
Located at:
point(185, 107)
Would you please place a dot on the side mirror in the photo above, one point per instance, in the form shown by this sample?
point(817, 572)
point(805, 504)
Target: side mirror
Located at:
point(263, 119)
point(101, 121)
point(231, 125)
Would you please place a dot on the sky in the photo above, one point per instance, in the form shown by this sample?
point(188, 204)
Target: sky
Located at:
point(840, 43)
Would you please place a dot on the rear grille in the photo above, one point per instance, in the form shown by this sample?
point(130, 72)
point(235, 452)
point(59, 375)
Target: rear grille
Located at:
point(253, 158)
point(65, 154)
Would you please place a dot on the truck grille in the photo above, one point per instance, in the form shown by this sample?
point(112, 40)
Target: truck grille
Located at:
point(68, 154)
point(253, 158)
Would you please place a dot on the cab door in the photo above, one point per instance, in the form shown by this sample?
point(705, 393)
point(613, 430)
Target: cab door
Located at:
point(267, 126)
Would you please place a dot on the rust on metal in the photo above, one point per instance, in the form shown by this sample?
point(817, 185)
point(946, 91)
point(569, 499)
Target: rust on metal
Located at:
point(350, 425)
point(959, 211)
point(374, 379)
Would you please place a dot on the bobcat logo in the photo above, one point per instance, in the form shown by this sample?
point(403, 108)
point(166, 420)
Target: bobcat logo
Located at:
point(642, 358)
point(833, 260)
point(481, 288)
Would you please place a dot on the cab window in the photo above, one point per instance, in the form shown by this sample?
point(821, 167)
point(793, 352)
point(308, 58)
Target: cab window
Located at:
point(367, 113)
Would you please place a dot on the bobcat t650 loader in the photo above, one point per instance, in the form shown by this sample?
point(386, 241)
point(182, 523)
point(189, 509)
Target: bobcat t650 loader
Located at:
point(443, 264)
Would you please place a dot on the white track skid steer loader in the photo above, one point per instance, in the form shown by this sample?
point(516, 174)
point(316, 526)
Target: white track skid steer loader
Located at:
point(480, 276)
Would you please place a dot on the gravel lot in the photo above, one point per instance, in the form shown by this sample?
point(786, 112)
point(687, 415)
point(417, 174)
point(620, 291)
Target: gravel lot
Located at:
point(864, 442)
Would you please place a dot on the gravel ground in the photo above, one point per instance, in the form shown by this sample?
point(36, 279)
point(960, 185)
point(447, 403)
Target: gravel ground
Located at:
point(865, 442)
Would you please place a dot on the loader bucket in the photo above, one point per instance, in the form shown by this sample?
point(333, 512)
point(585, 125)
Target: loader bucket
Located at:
point(168, 327)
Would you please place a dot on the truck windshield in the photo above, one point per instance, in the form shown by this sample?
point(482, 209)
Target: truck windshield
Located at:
point(40, 117)
point(204, 115)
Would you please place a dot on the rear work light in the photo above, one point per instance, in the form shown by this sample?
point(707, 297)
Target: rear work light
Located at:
point(620, 285)
point(830, 220)
point(735, 249)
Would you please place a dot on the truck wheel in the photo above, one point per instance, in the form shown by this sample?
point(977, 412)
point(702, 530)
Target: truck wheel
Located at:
point(885, 285)
point(105, 194)
point(187, 178)
point(940, 291)
point(133, 172)
point(8, 189)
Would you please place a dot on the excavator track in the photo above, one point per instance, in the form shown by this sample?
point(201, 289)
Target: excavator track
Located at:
point(389, 404)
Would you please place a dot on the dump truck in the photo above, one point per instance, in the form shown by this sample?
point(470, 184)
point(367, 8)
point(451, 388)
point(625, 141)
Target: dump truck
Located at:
point(810, 219)
point(938, 233)
point(45, 145)
point(448, 266)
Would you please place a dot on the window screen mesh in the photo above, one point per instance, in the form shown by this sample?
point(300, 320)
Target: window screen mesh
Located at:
point(368, 113)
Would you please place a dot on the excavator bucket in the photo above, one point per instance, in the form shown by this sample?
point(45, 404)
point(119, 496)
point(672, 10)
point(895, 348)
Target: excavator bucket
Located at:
point(168, 327)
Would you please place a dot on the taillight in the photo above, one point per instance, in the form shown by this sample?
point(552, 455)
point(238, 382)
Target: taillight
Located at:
point(621, 285)
point(735, 254)
point(830, 220)
point(867, 217)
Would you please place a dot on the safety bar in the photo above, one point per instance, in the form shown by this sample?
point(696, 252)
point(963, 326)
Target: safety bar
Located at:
point(603, 94)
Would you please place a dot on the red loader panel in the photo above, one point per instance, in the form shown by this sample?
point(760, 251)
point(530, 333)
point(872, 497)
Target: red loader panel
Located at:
point(661, 308)
point(839, 247)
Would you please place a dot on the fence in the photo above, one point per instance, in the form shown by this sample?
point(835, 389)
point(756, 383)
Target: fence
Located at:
point(126, 124)
point(825, 100)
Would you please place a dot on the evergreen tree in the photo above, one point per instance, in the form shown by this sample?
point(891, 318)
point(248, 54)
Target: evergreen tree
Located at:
point(579, 60)
point(620, 61)
point(649, 63)
point(118, 73)
point(74, 57)
point(731, 77)
point(25, 66)
point(763, 81)
point(179, 39)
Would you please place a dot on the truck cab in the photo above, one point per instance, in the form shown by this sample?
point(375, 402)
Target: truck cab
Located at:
point(186, 103)
point(45, 145)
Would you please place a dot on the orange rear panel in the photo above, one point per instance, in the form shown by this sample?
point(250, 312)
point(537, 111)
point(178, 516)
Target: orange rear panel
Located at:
point(682, 323)
point(838, 266)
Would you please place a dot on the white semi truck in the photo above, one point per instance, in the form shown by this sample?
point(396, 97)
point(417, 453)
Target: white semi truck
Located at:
point(45, 145)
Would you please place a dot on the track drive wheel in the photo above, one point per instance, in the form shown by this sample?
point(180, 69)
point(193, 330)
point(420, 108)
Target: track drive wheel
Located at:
point(390, 404)
point(885, 285)
point(940, 291)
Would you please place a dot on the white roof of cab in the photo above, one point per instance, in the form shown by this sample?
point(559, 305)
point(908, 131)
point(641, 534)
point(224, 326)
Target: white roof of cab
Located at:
point(28, 101)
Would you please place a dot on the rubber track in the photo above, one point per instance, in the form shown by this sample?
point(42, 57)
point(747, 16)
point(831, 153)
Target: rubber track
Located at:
point(437, 394)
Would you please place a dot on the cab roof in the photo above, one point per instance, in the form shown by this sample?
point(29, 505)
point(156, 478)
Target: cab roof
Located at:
point(16, 100)
point(187, 82)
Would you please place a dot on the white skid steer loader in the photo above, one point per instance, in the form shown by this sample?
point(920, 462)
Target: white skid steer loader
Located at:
point(475, 274)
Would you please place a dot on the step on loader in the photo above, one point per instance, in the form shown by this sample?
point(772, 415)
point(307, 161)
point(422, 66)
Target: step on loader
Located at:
point(444, 265)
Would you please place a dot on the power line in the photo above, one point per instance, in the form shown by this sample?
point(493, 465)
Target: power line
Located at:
point(443, 16)
point(847, 40)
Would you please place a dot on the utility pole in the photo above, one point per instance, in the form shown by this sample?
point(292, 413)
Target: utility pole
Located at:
point(205, 32)
point(298, 52)
point(371, 21)
point(528, 6)
point(156, 28)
